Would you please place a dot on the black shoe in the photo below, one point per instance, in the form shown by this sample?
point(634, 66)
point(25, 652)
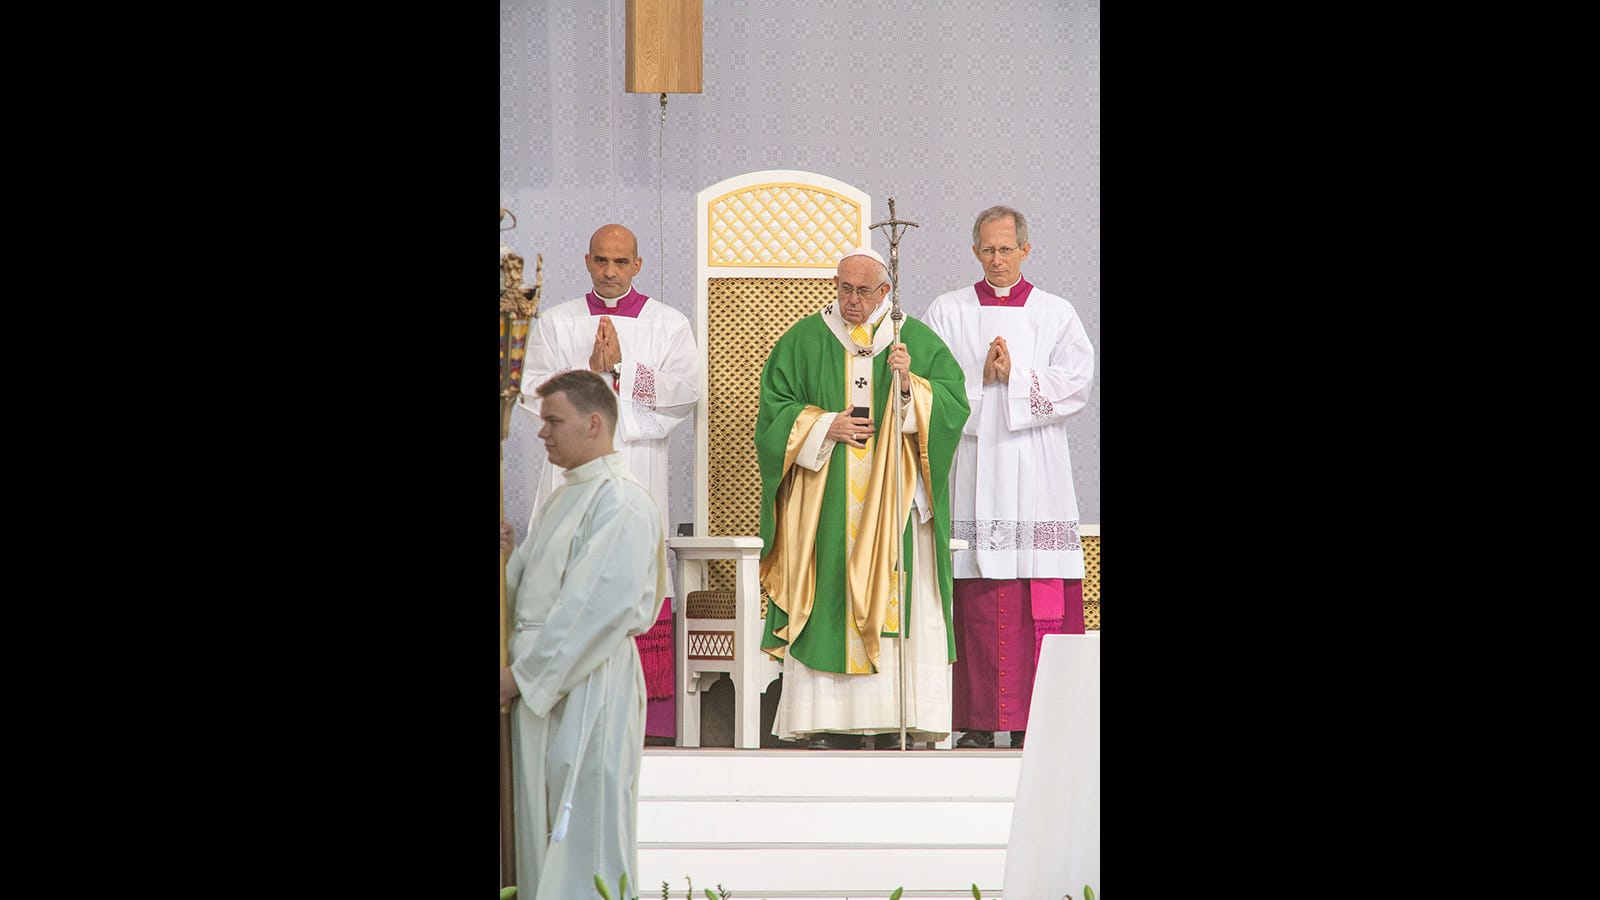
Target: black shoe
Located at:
point(1016, 739)
point(976, 740)
point(826, 740)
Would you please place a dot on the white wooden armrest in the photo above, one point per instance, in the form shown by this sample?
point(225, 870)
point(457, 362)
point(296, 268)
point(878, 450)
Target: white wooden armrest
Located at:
point(717, 547)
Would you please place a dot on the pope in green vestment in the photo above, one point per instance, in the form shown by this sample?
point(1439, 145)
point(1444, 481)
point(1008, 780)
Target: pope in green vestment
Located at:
point(828, 516)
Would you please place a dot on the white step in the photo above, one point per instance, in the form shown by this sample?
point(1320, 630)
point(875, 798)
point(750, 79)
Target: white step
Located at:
point(842, 820)
point(825, 825)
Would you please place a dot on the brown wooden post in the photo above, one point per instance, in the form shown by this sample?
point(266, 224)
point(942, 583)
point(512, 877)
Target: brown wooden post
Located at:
point(664, 46)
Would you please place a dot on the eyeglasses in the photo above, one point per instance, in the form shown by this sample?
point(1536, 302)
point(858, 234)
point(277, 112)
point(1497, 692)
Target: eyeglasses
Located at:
point(862, 293)
point(989, 252)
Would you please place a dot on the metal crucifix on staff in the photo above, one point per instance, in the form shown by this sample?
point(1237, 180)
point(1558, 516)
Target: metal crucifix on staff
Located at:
point(890, 226)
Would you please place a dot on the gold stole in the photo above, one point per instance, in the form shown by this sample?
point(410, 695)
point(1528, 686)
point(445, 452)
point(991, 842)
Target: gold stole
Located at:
point(858, 661)
point(872, 533)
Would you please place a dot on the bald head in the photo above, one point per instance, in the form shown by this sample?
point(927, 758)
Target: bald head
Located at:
point(608, 234)
point(613, 261)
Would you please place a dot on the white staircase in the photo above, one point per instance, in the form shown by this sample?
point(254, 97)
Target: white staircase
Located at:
point(825, 825)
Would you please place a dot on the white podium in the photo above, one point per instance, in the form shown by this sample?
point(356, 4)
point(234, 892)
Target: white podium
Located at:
point(1054, 847)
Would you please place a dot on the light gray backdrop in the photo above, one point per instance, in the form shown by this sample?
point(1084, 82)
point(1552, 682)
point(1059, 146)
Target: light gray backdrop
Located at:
point(948, 106)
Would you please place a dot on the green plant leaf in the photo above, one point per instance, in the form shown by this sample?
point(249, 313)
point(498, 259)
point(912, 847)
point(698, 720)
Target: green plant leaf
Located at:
point(622, 886)
point(896, 894)
point(709, 895)
point(506, 893)
point(976, 894)
point(600, 885)
point(1088, 893)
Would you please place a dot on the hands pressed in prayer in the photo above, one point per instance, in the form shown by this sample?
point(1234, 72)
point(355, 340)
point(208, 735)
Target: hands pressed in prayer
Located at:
point(852, 430)
point(507, 538)
point(997, 364)
point(607, 349)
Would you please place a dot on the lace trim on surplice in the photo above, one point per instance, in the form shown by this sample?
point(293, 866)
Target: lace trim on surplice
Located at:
point(1010, 534)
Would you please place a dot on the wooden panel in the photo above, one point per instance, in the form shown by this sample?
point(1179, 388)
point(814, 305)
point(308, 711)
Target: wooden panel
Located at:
point(745, 317)
point(782, 225)
point(1091, 582)
point(664, 46)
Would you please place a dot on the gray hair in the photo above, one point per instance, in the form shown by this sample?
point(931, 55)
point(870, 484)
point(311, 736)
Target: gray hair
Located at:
point(1000, 212)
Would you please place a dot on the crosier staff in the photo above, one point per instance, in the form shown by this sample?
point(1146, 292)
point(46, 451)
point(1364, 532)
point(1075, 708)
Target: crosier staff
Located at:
point(518, 305)
point(897, 411)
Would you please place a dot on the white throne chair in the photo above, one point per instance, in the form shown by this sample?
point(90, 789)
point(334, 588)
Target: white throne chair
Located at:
point(766, 250)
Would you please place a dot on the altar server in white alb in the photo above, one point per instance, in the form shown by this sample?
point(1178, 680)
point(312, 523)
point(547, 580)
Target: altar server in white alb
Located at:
point(1028, 365)
point(646, 350)
point(587, 579)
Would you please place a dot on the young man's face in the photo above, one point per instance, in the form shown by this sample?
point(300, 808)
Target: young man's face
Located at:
point(565, 432)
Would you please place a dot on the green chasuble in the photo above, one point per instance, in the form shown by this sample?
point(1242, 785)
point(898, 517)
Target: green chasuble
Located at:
point(806, 373)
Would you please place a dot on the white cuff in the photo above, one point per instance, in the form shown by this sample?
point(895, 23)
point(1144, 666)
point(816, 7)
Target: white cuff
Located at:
point(814, 452)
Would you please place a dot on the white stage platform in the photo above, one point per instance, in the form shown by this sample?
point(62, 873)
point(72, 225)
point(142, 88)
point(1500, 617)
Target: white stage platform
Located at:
point(856, 824)
point(825, 825)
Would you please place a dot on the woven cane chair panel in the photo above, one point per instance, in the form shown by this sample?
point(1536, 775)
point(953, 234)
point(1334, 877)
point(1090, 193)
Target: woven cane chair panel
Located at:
point(710, 645)
point(709, 605)
point(1091, 582)
point(780, 224)
point(744, 318)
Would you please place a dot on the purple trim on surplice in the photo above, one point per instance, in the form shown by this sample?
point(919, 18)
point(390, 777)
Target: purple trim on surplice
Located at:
point(1019, 293)
point(629, 305)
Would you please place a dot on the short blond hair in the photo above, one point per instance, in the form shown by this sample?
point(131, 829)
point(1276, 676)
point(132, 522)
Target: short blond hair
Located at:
point(586, 391)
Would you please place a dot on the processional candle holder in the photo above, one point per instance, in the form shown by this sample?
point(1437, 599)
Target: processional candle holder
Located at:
point(519, 305)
